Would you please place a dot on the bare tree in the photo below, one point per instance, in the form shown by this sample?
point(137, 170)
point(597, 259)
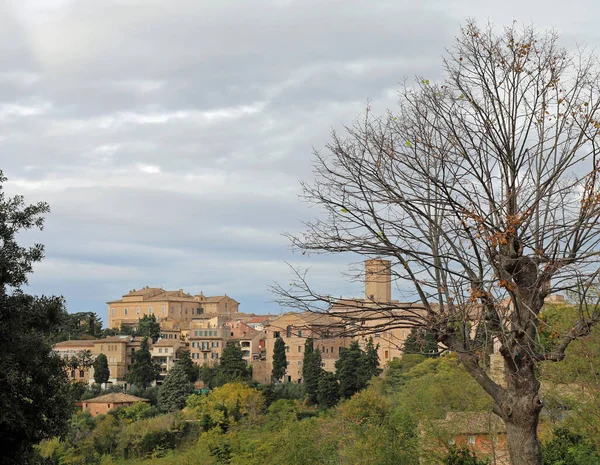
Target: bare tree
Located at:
point(483, 191)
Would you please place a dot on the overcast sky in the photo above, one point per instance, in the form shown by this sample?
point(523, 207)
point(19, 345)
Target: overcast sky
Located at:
point(169, 136)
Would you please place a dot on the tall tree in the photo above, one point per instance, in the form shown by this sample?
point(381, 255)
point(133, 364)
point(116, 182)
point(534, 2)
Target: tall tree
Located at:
point(483, 191)
point(142, 372)
point(148, 327)
point(175, 389)
point(232, 366)
point(36, 399)
point(101, 370)
point(370, 361)
point(349, 369)
point(311, 369)
point(280, 362)
point(192, 370)
point(328, 390)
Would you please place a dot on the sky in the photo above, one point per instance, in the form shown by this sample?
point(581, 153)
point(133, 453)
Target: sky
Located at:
point(170, 137)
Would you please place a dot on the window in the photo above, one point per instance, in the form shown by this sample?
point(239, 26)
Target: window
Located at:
point(276, 334)
point(205, 356)
point(160, 351)
point(300, 333)
point(299, 349)
point(299, 363)
point(72, 373)
point(214, 355)
point(166, 350)
point(170, 309)
point(125, 311)
point(162, 310)
point(150, 312)
point(137, 310)
point(81, 373)
point(288, 331)
point(287, 349)
point(112, 311)
point(471, 440)
point(196, 355)
point(215, 344)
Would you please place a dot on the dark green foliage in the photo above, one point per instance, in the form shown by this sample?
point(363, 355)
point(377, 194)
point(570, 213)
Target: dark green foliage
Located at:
point(79, 325)
point(348, 370)
point(101, 371)
point(149, 327)
point(370, 362)
point(311, 370)
point(232, 366)
point(142, 372)
point(280, 362)
point(192, 370)
point(208, 374)
point(328, 390)
point(36, 399)
point(462, 456)
point(127, 330)
point(175, 389)
point(568, 448)
point(422, 342)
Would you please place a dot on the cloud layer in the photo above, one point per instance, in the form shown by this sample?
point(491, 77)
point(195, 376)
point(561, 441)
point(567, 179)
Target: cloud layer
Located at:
point(169, 137)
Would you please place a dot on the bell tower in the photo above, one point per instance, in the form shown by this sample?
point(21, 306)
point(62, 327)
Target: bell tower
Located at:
point(378, 280)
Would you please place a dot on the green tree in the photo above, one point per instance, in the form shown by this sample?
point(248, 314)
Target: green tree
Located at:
point(36, 399)
point(175, 390)
point(232, 366)
point(568, 448)
point(420, 341)
point(280, 362)
point(148, 327)
point(192, 370)
point(142, 372)
point(101, 371)
point(370, 362)
point(328, 390)
point(462, 456)
point(311, 369)
point(349, 370)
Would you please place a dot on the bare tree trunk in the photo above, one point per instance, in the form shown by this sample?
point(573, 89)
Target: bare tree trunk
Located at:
point(521, 437)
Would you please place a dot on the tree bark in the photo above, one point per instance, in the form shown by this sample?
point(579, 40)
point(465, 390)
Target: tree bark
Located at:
point(520, 412)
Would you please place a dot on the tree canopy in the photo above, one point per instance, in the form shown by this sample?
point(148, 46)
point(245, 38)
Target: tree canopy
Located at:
point(101, 370)
point(148, 327)
point(142, 372)
point(175, 389)
point(35, 396)
point(280, 362)
point(483, 192)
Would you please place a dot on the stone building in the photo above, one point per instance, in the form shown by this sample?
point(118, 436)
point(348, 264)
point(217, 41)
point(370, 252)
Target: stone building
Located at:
point(103, 404)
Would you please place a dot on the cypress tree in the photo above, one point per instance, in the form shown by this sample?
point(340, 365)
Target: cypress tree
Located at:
point(192, 370)
point(311, 369)
point(328, 390)
point(348, 370)
point(142, 372)
point(232, 367)
point(175, 390)
point(370, 362)
point(149, 327)
point(101, 371)
point(279, 360)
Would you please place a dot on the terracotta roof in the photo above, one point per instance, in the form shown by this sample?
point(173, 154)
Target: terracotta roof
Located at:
point(75, 343)
point(144, 291)
point(121, 339)
point(175, 296)
point(115, 398)
point(471, 423)
point(214, 298)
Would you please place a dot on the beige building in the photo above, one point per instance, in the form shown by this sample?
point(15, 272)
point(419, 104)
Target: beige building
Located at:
point(173, 305)
point(251, 342)
point(164, 355)
point(118, 350)
point(75, 349)
point(207, 337)
point(294, 329)
point(103, 404)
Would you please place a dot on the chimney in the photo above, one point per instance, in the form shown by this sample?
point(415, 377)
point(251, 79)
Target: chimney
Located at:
point(180, 292)
point(378, 280)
